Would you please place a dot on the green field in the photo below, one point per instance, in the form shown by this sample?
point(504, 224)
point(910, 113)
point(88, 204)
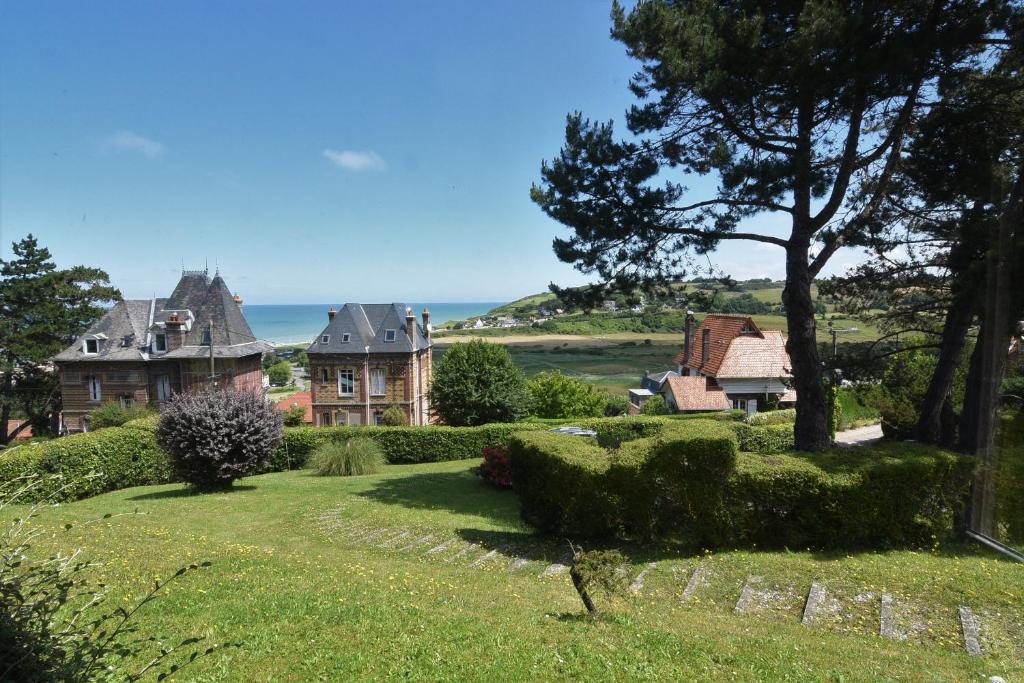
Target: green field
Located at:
point(315, 581)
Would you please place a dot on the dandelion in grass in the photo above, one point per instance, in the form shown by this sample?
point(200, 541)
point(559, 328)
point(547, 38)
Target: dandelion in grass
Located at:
point(354, 456)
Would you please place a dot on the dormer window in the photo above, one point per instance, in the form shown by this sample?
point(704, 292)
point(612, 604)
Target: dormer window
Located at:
point(345, 337)
point(92, 346)
point(748, 329)
point(206, 338)
point(325, 339)
point(389, 336)
point(160, 343)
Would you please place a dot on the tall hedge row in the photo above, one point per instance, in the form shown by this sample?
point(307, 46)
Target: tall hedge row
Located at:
point(690, 481)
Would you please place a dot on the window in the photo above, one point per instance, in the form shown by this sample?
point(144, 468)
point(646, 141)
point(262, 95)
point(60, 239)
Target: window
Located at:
point(92, 345)
point(206, 338)
point(326, 339)
point(93, 382)
point(325, 419)
point(346, 383)
point(345, 337)
point(324, 376)
point(739, 404)
point(127, 401)
point(378, 381)
point(163, 388)
point(355, 419)
point(160, 343)
point(705, 344)
point(748, 329)
point(389, 335)
point(378, 417)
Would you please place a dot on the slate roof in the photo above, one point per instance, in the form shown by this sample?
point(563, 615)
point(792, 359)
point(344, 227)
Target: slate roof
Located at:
point(208, 300)
point(693, 393)
point(749, 356)
point(366, 326)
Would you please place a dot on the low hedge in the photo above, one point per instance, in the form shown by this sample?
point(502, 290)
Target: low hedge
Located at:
point(400, 444)
point(83, 465)
point(772, 417)
point(690, 481)
point(772, 438)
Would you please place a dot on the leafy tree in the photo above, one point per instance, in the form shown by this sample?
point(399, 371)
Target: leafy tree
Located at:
point(615, 405)
point(475, 383)
point(42, 310)
point(790, 105)
point(655, 405)
point(394, 416)
point(295, 416)
point(554, 395)
point(280, 373)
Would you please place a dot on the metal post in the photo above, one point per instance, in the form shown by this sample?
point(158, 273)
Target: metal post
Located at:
point(213, 376)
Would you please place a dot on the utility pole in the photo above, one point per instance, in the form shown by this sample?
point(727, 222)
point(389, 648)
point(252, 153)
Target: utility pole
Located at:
point(835, 331)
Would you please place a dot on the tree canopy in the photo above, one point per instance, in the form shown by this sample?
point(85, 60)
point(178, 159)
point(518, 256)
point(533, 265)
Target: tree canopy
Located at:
point(475, 383)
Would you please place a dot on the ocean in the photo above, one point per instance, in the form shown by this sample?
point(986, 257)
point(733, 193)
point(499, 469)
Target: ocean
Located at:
point(301, 323)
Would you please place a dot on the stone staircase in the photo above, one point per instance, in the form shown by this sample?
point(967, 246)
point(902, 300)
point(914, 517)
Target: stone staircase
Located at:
point(896, 617)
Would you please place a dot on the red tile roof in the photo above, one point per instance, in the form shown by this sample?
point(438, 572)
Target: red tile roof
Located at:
point(722, 329)
point(751, 356)
point(693, 393)
point(303, 399)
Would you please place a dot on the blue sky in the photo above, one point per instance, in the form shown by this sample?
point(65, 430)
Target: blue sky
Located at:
point(314, 151)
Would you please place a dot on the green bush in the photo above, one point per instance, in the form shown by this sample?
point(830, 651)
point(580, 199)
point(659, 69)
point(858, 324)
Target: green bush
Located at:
point(112, 414)
point(353, 457)
point(616, 405)
point(294, 416)
point(772, 438)
point(476, 383)
point(150, 422)
point(689, 481)
point(655, 405)
point(772, 417)
point(280, 373)
point(554, 395)
point(394, 416)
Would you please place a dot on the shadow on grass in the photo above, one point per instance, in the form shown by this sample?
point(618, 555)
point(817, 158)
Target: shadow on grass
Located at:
point(186, 492)
point(458, 492)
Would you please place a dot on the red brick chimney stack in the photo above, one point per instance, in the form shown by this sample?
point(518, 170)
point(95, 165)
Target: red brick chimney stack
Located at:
point(331, 312)
point(426, 322)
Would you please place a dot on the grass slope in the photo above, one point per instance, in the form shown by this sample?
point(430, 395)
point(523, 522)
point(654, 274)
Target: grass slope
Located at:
point(308, 605)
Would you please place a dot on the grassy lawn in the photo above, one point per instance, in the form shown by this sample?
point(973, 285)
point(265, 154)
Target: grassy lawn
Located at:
point(311, 600)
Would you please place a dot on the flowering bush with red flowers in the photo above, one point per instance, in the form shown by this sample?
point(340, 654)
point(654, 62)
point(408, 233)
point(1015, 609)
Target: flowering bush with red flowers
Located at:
point(495, 469)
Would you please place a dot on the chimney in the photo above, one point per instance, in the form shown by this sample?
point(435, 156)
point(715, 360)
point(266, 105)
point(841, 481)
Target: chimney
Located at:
point(410, 325)
point(331, 312)
point(688, 330)
point(426, 322)
point(237, 298)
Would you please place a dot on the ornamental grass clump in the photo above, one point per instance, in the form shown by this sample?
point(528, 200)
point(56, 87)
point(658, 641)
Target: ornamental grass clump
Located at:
point(216, 437)
point(351, 457)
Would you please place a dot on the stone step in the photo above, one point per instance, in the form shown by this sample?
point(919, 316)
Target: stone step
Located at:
point(698, 578)
point(638, 582)
point(441, 548)
point(886, 618)
point(401, 536)
point(422, 540)
point(970, 625)
point(478, 562)
point(747, 594)
point(555, 569)
point(815, 600)
point(466, 549)
point(517, 563)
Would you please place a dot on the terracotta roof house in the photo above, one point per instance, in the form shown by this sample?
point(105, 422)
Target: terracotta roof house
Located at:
point(728, 362)
point(369, 357)
point(145, 350)
point(302, 399)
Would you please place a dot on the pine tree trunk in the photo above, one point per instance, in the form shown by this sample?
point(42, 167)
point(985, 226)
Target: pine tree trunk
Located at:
point(811, 429)
point(951, 348)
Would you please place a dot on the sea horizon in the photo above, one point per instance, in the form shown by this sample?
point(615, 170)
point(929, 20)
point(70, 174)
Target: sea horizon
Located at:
point(285, 324)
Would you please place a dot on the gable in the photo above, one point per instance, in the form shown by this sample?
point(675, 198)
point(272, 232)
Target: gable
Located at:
point(718, 330)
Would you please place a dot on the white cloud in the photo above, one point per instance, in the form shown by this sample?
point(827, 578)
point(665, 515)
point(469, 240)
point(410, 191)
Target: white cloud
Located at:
point(356, 161)
point(126, 141)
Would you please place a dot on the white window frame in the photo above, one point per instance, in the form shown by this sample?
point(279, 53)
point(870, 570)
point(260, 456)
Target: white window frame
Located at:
point(163, 388)
point(325, 339)
point(345, 337)
point(126, 401)
point(95, 387)
point(351, 375)
point(85, 346)
point(739, 404)
point(389, 336)
point(157, 338)
point(378, 381)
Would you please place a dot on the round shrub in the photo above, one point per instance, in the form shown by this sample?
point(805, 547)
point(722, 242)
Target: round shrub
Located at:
point(495, 469)
point(655, 405)
point(475, 383)
point(554, 395)
point(216, 437)
point(353, 457)
point(280, 373)
point(615, 405)
point(394, 416)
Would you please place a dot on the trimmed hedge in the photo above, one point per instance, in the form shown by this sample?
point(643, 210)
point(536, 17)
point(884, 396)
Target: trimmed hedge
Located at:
point(690, 481)
point(772, 417)
point(84, 465)
point(772, 438)
point(400, 444)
